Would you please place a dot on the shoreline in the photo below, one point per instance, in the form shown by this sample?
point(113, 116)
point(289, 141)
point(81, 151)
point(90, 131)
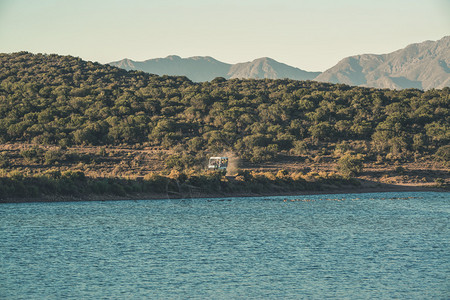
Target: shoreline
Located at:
point(159, 196)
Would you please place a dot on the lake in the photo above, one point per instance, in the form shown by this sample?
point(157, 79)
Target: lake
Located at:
point(354, 246)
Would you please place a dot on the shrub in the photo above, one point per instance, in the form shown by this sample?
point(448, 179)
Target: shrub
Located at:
point(349, 165)
point(74, 175)
point(443, 153)
point(439, 182)
point(52, 156)
point(32, 155)
point(399, 170)
point(260, 154)
point(3, 161)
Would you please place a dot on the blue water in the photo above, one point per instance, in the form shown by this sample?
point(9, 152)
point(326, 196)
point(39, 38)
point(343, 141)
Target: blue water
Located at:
point(357, 246)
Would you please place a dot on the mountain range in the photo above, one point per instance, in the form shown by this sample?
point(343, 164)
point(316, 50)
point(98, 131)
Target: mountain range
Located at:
point(423, 65)
point(206, 68)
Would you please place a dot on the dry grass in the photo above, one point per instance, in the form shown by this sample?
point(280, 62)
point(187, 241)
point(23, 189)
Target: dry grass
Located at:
point(135, 162)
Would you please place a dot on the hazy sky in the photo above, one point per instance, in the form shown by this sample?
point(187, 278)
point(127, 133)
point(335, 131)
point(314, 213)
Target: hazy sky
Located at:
point(310, 34)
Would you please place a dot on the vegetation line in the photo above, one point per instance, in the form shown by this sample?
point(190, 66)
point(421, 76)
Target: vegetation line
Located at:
point(174, 185)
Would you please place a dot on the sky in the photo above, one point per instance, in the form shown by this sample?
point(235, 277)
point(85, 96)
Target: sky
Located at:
point(312, 35)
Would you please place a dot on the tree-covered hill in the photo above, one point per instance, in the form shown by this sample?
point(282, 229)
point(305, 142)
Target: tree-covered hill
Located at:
point(63, 100)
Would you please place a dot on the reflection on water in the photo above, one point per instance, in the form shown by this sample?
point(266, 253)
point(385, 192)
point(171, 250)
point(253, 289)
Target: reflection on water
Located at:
point(386, 245)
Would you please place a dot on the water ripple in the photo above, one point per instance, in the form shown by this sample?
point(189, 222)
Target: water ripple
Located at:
point(387, 245)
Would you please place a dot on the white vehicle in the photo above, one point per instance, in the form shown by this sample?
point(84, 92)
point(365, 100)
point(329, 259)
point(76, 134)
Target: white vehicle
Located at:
point(218, 163)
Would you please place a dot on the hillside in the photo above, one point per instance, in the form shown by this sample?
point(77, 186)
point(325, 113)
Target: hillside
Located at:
point(423, 66)
point(60, 115)
point(206, 68)
point(55, 99)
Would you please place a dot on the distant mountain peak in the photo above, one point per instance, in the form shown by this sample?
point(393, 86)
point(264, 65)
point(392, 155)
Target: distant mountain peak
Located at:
point(173, 57)
point(266, 67)
point(420, 65)
point(264, 59)
point(202, 57)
